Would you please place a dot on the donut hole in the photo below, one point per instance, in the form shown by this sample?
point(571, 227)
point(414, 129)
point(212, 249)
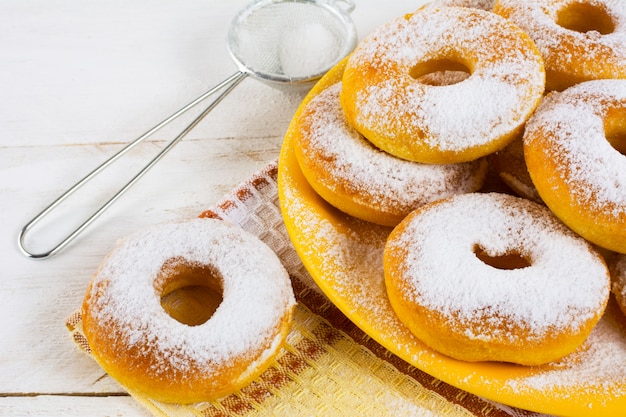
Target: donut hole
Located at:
point(189, 293)
point(615, 129)
point(583, 17)
point(440, 72)
point(508, 261)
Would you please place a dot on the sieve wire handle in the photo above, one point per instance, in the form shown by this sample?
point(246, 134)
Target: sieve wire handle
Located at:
point(228, 85)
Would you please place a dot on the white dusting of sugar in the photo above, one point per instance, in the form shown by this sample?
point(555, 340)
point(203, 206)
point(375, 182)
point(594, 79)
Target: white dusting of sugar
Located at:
point(256, 294)
point(594, 171)
point(599, 364)
point(567, 50)
point(455, 118)
point(505, 84)
point(564, 287)
point(352, 165)
point(308, 49)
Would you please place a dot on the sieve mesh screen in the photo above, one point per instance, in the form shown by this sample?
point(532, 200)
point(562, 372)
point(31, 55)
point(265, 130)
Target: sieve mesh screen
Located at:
point(290, 39)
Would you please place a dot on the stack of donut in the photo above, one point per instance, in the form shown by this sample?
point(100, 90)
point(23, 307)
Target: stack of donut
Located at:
point(426, 105)
point(432, 105)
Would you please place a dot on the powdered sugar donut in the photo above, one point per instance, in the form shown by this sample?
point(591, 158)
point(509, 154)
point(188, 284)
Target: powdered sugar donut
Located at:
point(139, 344)
point(494, 277)
point(579, 40)
point(352, 175)
point(574, 150)
point(385, 100)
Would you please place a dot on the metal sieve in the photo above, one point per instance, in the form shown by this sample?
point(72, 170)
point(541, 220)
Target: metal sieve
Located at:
point(284, 43)
point(291, 42)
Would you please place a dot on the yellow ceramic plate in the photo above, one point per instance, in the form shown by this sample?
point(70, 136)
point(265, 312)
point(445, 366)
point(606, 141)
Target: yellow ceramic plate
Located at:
point(344, 257)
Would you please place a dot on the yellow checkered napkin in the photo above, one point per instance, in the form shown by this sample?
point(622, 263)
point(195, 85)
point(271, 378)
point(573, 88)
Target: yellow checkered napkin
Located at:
point(320, 371)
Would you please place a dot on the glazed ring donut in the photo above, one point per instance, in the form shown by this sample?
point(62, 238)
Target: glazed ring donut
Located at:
point(579, 40)
point(385, 100)
point(494, 277)
point(355, 177)
point(147, 350)
point(574, 149)
point(618, 280)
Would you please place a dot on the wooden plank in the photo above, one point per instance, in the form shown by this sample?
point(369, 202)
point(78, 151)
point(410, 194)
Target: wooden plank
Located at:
point(71, 406)
point(99, 71)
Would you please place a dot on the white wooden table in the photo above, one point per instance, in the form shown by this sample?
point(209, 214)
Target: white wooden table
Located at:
point(78, 79)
